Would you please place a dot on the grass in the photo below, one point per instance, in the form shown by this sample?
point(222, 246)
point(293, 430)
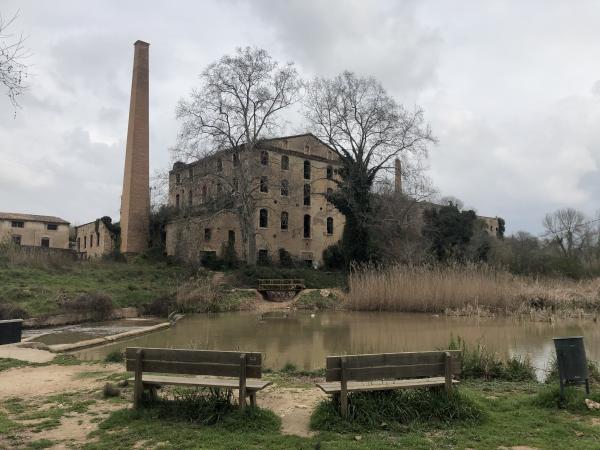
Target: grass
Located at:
point(573, 400)
point(115, 356)
point(41, 291)
point(9, 363)
point(320, 299)
point(468, 290)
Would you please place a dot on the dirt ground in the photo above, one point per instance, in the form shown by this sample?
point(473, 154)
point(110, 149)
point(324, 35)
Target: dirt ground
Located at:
point(33, 386)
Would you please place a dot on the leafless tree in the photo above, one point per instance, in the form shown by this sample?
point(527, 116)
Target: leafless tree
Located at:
point(368, 130)
point(569, 229)
point(238, 105)
point(13, 70)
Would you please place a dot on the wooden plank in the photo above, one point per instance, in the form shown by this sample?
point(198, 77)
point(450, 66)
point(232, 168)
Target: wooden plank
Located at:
point(344, 388)
point(357, 386)
point(231, 383)
point(242, 385)
point(392, 359)
point(195, 356)
point(448, 373)
point(383, 372)
point(138, 389)
point(189, 368)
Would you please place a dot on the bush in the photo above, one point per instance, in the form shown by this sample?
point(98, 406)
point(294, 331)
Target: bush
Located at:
point(210, 261)
point(160, 307)
point(230, 257)
point(263, 259)
point(101, 305)
point(115, 356)
point(317, 300)
point(11, 311)
point(552, 373)
point(333, 257)
point(573, 401)
point(382, 409)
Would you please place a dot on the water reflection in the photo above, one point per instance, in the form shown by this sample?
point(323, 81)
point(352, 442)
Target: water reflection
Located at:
point(305, 339)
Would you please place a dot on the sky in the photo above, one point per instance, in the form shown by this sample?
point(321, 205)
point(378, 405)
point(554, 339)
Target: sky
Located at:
point(511, 90)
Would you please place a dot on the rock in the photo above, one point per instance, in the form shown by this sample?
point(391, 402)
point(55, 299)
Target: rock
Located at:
point(591, 404)
point(325, 293)
point(358, 437)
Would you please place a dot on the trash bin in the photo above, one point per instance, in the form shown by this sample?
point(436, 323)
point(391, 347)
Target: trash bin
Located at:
point(10, 331)
point(572, 362)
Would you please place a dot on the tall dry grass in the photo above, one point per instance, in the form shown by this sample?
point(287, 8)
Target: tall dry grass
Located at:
point(469, 289)
point(35, 257)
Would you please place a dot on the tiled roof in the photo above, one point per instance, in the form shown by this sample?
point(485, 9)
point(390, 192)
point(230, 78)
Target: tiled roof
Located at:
point(31, 218)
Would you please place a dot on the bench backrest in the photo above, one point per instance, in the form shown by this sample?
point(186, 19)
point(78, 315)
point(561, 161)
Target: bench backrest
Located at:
point(194, 362)
point(393, 365)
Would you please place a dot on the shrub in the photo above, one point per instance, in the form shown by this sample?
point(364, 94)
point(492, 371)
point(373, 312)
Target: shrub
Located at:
point(552, 373)
point(11, 311)
point(100, 304)
point(317, 300)
point(210, 261)
point(573, 400)
point(382, 409)
point(160, 307)
point(115, 356)
point(230, 257)
point(333, 257)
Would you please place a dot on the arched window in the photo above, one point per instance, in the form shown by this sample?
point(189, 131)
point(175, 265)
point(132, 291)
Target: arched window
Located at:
point(284, 220)
point(329, 172)
point(285, 188)
point(307, 195)
point(330, 225)
point(46, 242)
point(264, 184)
point(219, 165)
point(263, 218)
point(264, 158)
point(285, 162)
point(307, 170)
point(178, 178)
point(306, 225)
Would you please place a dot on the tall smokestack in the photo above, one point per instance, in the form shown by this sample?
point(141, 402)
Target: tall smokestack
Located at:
point(135, 199)
point(398, 176)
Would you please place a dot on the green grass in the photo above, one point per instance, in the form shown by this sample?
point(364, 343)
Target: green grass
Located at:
point(9, 363)
point(39, 291)
point(313, 300)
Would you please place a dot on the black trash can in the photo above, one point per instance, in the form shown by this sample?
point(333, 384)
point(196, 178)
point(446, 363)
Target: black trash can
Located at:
point(10, 331)
point(572, 362)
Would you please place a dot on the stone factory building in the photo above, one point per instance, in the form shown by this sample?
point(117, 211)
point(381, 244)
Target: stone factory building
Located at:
point(96, 239)
point(292, 176)
point(34, 231)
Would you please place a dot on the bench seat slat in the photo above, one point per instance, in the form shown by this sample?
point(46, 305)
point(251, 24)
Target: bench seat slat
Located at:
point(192, 368)
point(195, 356)
point(334, 387)
point(393, 359)
point(159, 380)
point(392, 371)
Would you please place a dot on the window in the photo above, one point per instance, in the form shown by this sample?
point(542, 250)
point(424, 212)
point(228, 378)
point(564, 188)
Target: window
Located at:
point(307, 149)
point(329, 194)
point(285, 188)
point(17, 224)
point(231, 237)
point(97, 239)
point(178, 178)
point(91, 240)
point(264, 158)
point(204, 193)
point(190, 173)
point(78, 243)
point(330, 225)
point(264, 184)
point(329, 154)
point(307, 170)
point(52, 227)
point(285, 219)
point(177, 200)
point(45, 242)
point(190, 199)
point(306, 225)
point(329, 172)
point(84, 241)
point(263, 218)
point(16, 239)
point(207, 234)
point(285, 162)
point(263, 257)
point(307, 195)
point(219, 165)
point(236, 159)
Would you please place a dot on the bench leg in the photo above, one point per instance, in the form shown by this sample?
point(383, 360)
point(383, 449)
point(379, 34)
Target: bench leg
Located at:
point(253, 399)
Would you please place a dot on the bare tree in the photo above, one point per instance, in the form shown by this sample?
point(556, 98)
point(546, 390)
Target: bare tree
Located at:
point(13, 69)
point(569, 229)
point(238, 104)
point(368, 130)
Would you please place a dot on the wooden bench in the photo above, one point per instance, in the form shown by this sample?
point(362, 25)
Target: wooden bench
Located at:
point(243, 369)
point(386, 371)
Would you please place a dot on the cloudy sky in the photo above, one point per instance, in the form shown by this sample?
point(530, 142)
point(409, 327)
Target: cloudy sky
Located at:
point(511, 89)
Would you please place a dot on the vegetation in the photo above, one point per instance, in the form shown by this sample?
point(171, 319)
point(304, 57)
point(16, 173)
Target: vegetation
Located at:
point(317, 299)
point(314, 279)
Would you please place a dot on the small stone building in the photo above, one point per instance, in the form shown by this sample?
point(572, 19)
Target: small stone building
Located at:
point(291, 175)
point(32, 230)
point(96, 239)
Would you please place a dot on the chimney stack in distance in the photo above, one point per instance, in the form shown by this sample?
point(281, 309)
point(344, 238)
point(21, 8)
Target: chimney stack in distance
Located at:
point(135, 199)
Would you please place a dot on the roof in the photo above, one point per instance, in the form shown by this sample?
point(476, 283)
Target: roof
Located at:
point(31, 218)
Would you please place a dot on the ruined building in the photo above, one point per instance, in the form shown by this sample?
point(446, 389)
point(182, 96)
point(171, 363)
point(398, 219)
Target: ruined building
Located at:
point(135, 199)
point(288, 179)
point(96, 239)
point(30, 230)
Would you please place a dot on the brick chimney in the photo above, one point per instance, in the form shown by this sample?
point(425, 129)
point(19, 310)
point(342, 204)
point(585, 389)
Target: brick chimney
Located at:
point(398, 176)
point(135, 199)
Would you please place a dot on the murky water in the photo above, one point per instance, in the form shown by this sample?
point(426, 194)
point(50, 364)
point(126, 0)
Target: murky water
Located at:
point(305, 339)
point(89, 330)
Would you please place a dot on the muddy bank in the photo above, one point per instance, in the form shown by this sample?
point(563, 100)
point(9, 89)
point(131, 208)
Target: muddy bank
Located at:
point(73, 318)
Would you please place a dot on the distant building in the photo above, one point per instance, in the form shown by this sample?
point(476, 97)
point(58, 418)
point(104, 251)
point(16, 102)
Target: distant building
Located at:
point(96, 239)
point(34, 231)
point(293, 175)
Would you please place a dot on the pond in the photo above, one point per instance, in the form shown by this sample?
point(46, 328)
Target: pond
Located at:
point(305, 339)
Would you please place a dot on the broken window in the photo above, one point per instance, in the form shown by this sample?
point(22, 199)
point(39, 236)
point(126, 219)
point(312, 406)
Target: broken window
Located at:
point(263, 218)
point(264, 184)
point(329, 172)
point(330, 225)
point(190, 199)
point(17, 224)
point(285, 162)
point(307, 195)
point(177, 200)
point(52, 227)
point(306, 225)
point(284, 220)
point(16, 239)
point(285, 188)
point(46, 242)
point(207, 234)
point(307, 170)
point(264, 158)
point(231, 237)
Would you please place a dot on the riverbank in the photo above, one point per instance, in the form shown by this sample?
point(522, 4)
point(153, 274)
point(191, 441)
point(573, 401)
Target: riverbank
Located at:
point(65, 405)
